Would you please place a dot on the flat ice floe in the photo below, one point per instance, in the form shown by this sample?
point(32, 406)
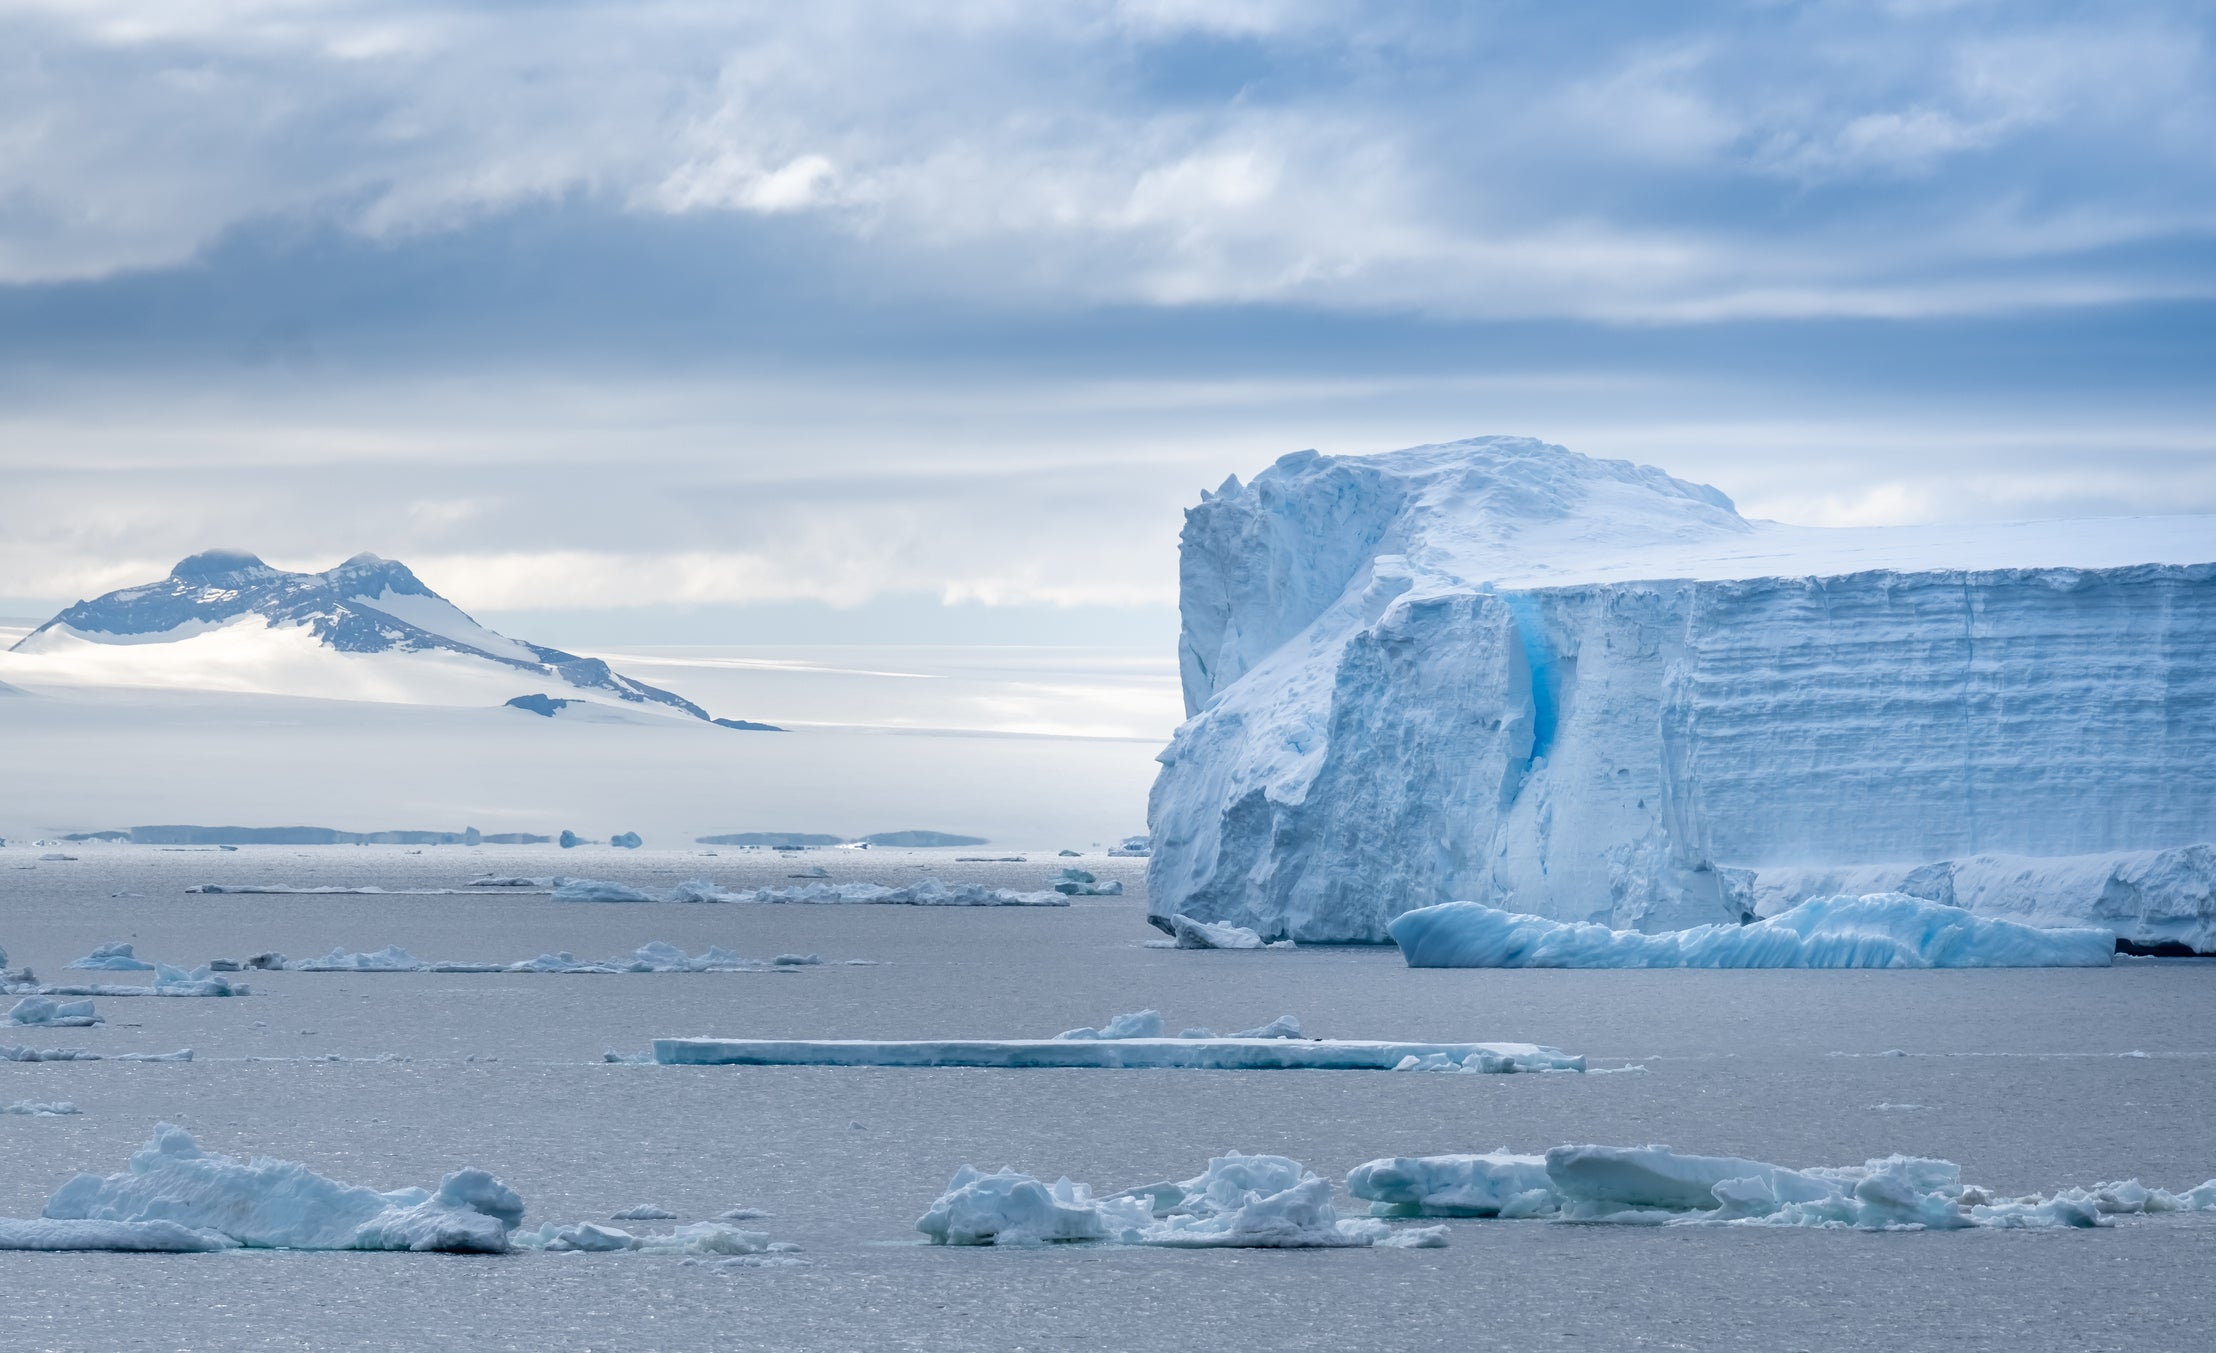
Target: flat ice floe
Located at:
point(1883, 930)
point(1653, 1185)
point(924, 892)
point(32, 1108)
point(44, 1012)
point(653, 957)
point(168, 981)
point(1118, 1053)
point(321, 890)
point(1238, 1202)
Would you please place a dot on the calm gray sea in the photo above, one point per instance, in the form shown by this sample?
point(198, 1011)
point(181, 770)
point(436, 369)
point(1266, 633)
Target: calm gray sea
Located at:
point(2031, 1080)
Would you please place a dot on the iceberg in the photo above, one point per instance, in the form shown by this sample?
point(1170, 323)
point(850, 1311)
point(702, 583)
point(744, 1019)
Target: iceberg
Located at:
point(595, 890)
point(924, 892)
point(1501, 672)
point(1191, 934)
point(653, 957)
point(1238, 1202)
point(1079, 883)
point(115, 956)
point(1654, 1185)
point(1211, 1054)
point(1132, 1024)
point(700, 1238)
point(31, 1108)
point(1888, 930)
point(277, 1204)
point(126, 1237)
point(47, 1013)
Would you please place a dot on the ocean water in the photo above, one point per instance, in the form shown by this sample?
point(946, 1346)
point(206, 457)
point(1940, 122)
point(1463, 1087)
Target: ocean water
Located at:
point(2031, 1080)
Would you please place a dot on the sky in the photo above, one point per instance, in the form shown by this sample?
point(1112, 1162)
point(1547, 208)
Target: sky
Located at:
point(880, 322)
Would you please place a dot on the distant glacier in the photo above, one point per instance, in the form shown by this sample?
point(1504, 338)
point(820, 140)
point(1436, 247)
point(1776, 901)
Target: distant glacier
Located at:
point(1499, 671)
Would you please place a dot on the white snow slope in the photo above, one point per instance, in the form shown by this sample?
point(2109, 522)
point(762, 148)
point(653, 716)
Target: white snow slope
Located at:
point(1499, 671)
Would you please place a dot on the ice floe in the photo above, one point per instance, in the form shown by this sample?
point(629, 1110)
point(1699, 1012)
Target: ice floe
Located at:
point(643, 1212)
point(1187, 933)
point(305, 890)
point(1079, 883)
point(1654, 1185)
point(924, 892)
point(598, 890)
point(700, 1238)
point(45, 1012)
point(1223, 1054)
point(31, 1108)
point(1244, 1202)
point(1134, 1024)
point(653, 957)
point(115, 956)
point(270, 1204)
point(1882, 930)
point(168, 981)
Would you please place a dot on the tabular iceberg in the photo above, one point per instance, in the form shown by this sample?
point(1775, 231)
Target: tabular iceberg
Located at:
point(1262, 1052)
point(1888, 930)
point(1653, 1185)
point(1498, 671)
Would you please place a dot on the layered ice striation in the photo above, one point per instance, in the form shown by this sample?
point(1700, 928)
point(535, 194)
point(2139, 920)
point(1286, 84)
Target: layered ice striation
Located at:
point(1886, 930)
point(1238, 1202)
point(177, 1196)
point(1498, 671)
point(1654, 1185)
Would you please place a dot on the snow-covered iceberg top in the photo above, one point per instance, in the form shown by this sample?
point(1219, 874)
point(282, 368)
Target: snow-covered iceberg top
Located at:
point(115, 956)
point(1238, 1202)
point(1885, 930)
point(1655, 1185)
point(1211, 1054)
point(44, 1012)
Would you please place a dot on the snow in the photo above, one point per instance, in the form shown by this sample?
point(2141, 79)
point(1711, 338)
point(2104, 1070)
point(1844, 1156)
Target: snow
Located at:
point(1238, 1202)
point(1655, 1185)
point(47, 1013)
point(115, 956)
point(1500, 672)
point(1222, 1054)
point(1886, 930)
point(276, 1204)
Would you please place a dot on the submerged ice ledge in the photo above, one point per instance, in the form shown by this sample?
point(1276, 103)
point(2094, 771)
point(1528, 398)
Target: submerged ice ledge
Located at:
point(1887, 930)
point(1212, 1054)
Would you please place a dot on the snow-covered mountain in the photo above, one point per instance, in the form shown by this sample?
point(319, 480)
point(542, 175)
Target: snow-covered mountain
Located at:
point(1499, 671)
point(366, 630)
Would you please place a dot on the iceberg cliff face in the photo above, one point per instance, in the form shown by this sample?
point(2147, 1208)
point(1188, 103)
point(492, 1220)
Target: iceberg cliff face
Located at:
point(1498, 671)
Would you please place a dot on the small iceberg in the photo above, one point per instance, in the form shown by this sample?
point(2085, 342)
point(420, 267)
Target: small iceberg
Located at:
point(597, 890)
point(1882, 930)
point(1079, 883)
point(44, 1012)
point(1654, 1185)
point(176, 1196)
point(924, 892)
point(655, 956)
point(1238, 1202)
point(1187, 933)
point(31, 1108)
point(115, 956)
point(700, 1238)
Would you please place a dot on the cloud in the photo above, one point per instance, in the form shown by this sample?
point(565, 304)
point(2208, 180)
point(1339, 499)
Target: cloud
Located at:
point(1656, 164)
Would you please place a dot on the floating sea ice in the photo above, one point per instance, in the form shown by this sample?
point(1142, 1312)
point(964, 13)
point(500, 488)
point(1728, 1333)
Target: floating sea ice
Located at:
point(129, 1237)
point(1135, 1024)
point(115, 956)
point(1251, 1202)
point(47, 1013)
point(1188, 933)
point(276, 1204)
point(20, 1054)
point(181, 1055)
point(1079, 883)
point(597, 890)
point(797, 961)
point(700, 890)
point(1141, 1053)
point(643, 1212)
point(1284, 1026)
point(1654, 1185)
point(702, 1237)
point(1883, 930)
point(391, 958)
point(924, 892)
point(31, 1108)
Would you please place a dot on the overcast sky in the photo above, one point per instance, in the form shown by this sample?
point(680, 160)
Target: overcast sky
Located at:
point(924, 321)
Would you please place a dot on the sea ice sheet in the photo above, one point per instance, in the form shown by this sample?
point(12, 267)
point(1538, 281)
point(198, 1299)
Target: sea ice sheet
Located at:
point(1215, 1054)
